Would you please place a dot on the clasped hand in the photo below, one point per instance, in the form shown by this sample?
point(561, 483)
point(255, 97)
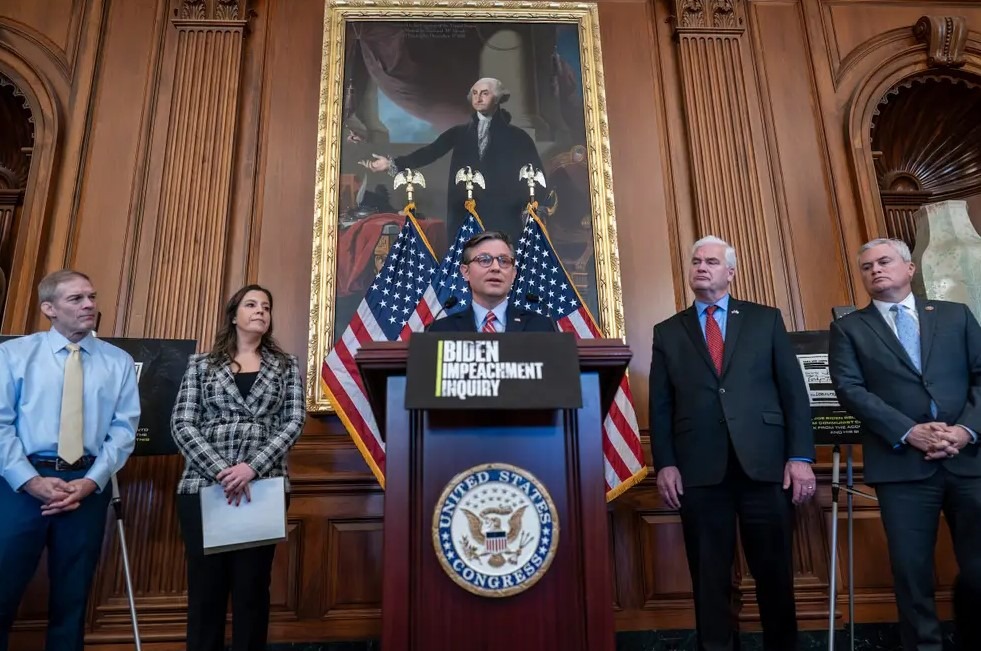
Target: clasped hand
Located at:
point(235, 480)
point(938, 440)
point(57, 495)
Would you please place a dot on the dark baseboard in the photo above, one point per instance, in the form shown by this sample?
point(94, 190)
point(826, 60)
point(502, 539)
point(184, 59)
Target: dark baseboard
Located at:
point(868, 637)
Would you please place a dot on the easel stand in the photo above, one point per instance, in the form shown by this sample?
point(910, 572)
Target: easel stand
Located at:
point(117, 507)
point(850, 491)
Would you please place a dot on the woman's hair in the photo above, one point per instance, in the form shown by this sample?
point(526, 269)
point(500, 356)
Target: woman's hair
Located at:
point(226, 341)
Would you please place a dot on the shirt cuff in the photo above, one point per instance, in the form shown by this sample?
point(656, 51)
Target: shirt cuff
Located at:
point(100, 473)
point(19, 474)
point(974, 435)
point(804, 459)
point(902, 441)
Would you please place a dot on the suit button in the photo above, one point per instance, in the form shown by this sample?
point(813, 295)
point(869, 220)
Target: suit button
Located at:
point(722, 390)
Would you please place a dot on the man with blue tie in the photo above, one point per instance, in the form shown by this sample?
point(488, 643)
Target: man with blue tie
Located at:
point(732, 441)
point(910, 370)
point(69, 408)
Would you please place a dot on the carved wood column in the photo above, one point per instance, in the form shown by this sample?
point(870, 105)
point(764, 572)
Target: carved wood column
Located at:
point(728, 192)
point(185, 293)
point(184, 300)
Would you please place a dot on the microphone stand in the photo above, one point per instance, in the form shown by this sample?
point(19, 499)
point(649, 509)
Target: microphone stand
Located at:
point(117, 507)
point(532, 297)
point(850, 491)
point(448, 304)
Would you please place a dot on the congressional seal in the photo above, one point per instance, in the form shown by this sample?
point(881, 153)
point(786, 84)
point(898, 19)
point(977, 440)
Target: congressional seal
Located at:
point(495, 530)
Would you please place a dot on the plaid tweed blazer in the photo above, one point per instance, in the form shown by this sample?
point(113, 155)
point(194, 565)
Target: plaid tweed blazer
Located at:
point(216, 427)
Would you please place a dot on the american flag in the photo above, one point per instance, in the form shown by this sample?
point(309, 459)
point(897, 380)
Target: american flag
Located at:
point(383, 315)
point(446, 282)
point(541, 273)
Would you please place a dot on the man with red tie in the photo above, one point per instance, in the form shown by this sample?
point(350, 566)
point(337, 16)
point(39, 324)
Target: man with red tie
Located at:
point(732, 442)
point(487, 264)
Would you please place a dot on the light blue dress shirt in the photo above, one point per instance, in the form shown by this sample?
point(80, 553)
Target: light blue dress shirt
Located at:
point(501, 312)
point(32, 376)
point(721, 317)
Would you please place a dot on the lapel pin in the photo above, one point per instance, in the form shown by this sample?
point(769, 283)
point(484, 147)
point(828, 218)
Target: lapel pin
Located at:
point(735, 312)
point(517, 318)
point(929, 308)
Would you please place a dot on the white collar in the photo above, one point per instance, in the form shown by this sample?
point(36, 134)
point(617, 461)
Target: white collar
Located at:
point(884, 307)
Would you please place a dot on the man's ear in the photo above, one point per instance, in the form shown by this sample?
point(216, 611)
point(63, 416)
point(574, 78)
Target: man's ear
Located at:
point(47, 309)
point(465, 272)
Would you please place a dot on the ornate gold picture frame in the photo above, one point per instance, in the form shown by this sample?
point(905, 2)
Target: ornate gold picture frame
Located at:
point(392, 78)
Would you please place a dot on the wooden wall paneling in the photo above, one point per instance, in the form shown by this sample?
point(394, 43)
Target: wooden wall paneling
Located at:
point(38, 68)
point(245, 220)
point(112, 178)
point(732, 190)
point(142, 176)
point(815, 255)
point(860, 48)
point(281, 249)
point(185, 292)
point(643, 190)
point(55, 32)
point(677, 158)
point(852, 25)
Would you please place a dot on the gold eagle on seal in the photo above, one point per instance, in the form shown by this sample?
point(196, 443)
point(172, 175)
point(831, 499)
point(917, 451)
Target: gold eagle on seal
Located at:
point(500, 546)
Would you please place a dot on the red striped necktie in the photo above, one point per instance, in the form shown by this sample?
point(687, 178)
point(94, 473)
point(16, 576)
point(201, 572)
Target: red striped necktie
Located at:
point(489, 323)
point(713, 337)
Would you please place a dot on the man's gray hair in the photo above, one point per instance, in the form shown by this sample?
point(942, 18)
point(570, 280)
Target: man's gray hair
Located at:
point(47, 289)
point(712, 239)
point(501, 94)
point(898, 245)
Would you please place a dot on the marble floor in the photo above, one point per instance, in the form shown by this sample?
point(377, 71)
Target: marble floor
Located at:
point(868, 637)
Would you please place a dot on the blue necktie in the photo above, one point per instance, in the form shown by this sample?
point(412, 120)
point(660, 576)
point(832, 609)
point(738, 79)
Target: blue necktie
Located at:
point(908, 333)
point(909, 336)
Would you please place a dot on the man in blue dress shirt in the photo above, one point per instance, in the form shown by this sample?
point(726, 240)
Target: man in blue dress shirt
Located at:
point(69, 407)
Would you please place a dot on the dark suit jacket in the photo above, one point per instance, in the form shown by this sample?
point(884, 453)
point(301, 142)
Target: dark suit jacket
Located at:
point(877, 383)
point(502, 204)
point(760, 401)
point(518, 320)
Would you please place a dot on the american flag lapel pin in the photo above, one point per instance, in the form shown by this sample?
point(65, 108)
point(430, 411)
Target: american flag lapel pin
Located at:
point(734, 312)
point(929, 308)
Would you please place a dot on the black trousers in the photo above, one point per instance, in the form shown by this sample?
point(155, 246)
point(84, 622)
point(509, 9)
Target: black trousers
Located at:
point(764, 512)
point(244, 574)
point(967, 597)
point(911, 517)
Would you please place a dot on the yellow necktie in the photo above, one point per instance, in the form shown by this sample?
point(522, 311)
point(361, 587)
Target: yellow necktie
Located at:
point(70, 446)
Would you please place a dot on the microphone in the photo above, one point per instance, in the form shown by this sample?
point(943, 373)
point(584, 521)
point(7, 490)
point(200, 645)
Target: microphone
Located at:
point(532, 297)
point(448, 304)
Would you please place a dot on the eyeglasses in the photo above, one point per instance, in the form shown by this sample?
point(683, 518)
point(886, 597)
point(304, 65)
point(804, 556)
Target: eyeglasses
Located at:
point(485, 260)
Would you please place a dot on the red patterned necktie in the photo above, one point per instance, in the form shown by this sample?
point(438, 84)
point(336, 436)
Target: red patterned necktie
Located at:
point(489, 323)
point(713, 337)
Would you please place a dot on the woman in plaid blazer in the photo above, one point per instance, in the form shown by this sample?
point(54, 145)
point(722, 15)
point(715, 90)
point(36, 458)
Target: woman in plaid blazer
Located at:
point(239, 410)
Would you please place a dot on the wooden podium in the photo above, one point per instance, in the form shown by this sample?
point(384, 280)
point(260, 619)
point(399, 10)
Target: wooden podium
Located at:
point(571, 605)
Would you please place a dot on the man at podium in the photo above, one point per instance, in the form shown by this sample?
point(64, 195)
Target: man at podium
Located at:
point(488, 267)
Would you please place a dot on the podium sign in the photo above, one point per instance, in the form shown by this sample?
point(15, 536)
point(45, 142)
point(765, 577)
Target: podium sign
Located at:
point(520, 370)
point(829, 420)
